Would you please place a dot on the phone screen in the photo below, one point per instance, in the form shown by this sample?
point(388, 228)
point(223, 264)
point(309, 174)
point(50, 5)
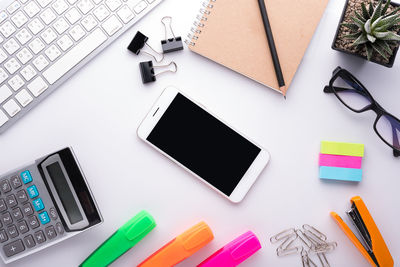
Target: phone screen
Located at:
point(203, 144)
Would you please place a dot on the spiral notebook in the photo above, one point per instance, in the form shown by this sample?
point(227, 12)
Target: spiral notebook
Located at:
point(231, 33)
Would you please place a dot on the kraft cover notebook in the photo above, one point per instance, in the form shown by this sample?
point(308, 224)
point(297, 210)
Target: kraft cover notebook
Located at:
point(231, 33)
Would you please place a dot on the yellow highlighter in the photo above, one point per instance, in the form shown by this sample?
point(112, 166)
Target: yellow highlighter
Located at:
point(375, 249)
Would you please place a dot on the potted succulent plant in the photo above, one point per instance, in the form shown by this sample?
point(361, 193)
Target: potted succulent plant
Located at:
point(369, 30)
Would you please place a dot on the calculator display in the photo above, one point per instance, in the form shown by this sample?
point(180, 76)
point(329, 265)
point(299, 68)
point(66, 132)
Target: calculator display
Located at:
point(64, 192)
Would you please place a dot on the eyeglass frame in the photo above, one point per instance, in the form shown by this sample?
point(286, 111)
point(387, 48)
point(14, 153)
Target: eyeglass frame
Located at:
point(374, 105)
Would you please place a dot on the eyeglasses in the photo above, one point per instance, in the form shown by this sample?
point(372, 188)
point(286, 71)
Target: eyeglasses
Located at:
point(356, 97)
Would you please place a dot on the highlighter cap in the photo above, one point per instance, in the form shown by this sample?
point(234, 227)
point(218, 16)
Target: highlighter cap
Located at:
point(139, 226)
point(235, 252)
point(196, 237)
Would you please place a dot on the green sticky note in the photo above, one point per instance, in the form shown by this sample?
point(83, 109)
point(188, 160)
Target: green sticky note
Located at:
point(344, 149)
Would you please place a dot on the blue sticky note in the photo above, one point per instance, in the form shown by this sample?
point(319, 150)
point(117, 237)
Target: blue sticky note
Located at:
point(341, 174)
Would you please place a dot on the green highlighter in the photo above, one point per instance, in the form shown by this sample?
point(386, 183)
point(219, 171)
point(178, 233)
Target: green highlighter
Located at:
point(121, 241)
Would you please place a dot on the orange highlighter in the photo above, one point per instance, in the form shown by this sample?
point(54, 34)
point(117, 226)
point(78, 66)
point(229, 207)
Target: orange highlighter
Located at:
point(374, 249)
point(180, 248)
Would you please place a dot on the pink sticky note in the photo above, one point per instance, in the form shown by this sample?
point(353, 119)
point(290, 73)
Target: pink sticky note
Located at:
point(340, 161)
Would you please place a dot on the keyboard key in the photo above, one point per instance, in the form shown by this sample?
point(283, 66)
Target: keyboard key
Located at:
point(21, 196)
point(60, 6)
point(140, 7)
point(3, 206)
point(16, 82)
point(24, 98)
point(13, 7)
point(48, 16)
point(85, 6)
point(7, 29)
point(12, 231)
point(44, 217)
point(89, 23)
point(101, 12)
point(3, 118)
point(113, 4)
point(39, 237)
point(24, 55)
point(22, 227)
point(53, 214)
point(15, 182)
point(29, 242)
point(14, 248)
point(73, 15)
point(31, 9)
point(5, 93)
point(125, 14)
point(3, 236)
point(19, 19)
point(5, 186)
point(50, 232)
point(49, 35)
point(11, 201)
point(111, 25)
point(77, 32)
point(74, 56)
point(26, 177)
point(3, 75)
point(61, 25)
point(11, 107)
point(28, 72)
point(65, 42)
point(27, 209)
point(17, 214)
point(40, 63)
point(3, 16)
point(59, 228)
point(12, 66)
point(3, 56)
point(52, 52)
point(38, 204)
point(33, 222)
point(32, 191)
point(23, 36)
point(38, 86)
point(44, 3)
point(35, 26)
point(11, 46)
point(6, 218)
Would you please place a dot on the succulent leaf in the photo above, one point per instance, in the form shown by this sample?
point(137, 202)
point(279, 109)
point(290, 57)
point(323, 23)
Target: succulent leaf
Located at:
point(385, 8)
point(361, 40)
point(377, 12)
point(358, 22)
point(370, 9)
point(370, 50)
point(380, 50)
point(371, 38)
point(385, 47)
point(353, 36)
point(365, 12)
point(393, 12)
point(359, 16)
point(351, 26)
point(367, 27)
point(387, 36)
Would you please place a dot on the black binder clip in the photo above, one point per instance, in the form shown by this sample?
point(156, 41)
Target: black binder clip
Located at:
point(147, 70)
point(170, 44)
point(138, 44)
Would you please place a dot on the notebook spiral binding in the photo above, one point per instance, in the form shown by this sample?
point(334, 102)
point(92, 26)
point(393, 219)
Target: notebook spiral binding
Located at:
point(200, 21)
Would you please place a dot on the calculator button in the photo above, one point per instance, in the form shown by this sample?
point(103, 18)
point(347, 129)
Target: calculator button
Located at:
point(39, 237)
point(50, 232)
point(38, 204)
point(5, 186)
point(14, 248)
point(32, 191)
point(27, 209)
point(26, 177)
point(6, 218)
point(12, 231)
point(15, 182)
point(17, 214)
point(59, 228)
point(21, 196)
point(44, 217)
point(29, 242)
point(3, 236)
point(22, 227)
point(33, 222)
point(3, 206)
point(53, 214)
point(11, 201)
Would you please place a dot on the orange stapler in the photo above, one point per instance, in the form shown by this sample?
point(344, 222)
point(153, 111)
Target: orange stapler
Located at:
point(374, 248)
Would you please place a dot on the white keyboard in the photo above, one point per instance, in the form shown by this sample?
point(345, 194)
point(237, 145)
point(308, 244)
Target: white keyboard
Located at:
point(43, 42)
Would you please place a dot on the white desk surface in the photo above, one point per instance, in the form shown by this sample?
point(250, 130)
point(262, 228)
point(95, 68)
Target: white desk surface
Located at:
point(99, 109)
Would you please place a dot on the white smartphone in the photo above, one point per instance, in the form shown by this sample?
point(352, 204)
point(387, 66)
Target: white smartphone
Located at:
point(203, 145)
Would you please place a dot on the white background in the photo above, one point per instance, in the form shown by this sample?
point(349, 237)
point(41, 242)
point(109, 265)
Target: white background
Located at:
point(99, 109)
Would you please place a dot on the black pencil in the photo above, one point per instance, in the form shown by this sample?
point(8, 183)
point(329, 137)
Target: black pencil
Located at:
point(272, 48)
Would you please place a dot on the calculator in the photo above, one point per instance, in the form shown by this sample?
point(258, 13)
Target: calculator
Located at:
point(43, 203)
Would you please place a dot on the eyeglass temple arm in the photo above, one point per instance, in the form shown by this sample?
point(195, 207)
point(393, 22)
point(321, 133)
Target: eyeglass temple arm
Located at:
point(396, 153)
point(329, 90)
